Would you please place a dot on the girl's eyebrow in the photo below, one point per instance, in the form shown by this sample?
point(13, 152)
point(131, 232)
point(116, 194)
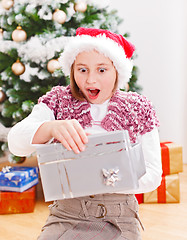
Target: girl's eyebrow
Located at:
point(80, 64)
point(103, 64)
point(99, 64)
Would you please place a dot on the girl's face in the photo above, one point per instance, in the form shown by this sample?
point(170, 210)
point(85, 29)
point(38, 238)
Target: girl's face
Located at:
point(95, 76)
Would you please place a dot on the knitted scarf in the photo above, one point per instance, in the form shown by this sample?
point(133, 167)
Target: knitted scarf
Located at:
point(126, 111)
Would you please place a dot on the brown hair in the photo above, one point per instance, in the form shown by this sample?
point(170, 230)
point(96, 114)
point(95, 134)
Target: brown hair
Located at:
point(75, 89)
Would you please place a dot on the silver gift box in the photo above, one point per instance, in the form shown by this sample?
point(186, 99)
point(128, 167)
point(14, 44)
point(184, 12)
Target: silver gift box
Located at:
point(109, 164)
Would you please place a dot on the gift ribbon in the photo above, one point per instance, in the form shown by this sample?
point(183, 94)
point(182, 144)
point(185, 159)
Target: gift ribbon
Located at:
point(161, 191)
point(139, 197)
point(68, 180)
point(165, 158)
point(6, 169)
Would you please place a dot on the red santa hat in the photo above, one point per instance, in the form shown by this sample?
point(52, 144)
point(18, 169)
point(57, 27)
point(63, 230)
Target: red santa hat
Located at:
point(111, 45)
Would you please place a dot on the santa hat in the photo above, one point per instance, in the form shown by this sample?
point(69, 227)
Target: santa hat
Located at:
point(111, 45)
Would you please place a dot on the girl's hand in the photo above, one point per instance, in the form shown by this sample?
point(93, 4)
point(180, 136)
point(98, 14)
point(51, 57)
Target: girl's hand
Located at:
point(69, 132)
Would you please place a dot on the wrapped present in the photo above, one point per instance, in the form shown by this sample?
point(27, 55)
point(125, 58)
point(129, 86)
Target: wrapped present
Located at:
point(139, 197)
point(18, 179)
point(109, 164)
point(167, 192)
point(16, 202)
point(171, 158)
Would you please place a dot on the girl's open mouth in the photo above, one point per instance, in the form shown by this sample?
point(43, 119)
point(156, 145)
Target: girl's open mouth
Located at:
point(93, 93)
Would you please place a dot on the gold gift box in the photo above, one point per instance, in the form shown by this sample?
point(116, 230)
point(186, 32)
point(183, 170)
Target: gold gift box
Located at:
point(167, 192)
point(172, 162)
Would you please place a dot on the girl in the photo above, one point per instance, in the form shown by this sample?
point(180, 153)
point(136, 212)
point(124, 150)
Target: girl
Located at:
point(99, 64)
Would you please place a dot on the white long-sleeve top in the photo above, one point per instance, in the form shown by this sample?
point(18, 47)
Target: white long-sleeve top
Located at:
point(21, 135)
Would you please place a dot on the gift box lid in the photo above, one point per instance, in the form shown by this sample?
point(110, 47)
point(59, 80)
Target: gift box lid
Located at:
point(28, 194)
point(18, 178)
point(172, 160)
point(18, 173)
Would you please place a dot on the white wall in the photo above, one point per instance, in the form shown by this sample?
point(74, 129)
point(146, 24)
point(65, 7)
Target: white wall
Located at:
point(159, 31)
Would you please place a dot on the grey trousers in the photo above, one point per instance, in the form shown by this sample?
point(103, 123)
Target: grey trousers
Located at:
point(98, 217)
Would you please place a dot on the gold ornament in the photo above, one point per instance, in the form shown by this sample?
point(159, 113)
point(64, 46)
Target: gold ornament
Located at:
point(19, 35)
point(7, 4)
point(2, 95)
point(53, 65)
point(1, 34)
point(127, 87)
point(59, 16)
point(18, 68)
point(80, 6)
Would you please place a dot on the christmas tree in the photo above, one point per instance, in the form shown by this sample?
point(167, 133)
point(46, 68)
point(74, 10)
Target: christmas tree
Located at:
point(33, 33)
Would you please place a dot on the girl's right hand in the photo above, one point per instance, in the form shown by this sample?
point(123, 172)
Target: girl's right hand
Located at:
point(69, 132)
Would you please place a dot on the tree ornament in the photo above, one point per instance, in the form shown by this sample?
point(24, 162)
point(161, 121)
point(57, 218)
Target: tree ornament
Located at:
point(19, 35)
point(1, 34)
point(16, 159)
point(7, 4)
point(18, 68)
point(20, 159)
point(127, 87)
point(80, 6)
point(2, 95)
point(59, 16)
point(53, 65)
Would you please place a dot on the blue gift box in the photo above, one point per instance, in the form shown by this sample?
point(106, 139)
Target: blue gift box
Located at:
point(18, 179)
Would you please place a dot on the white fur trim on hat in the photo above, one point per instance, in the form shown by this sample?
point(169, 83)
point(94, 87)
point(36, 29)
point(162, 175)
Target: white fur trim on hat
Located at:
point(102, 44)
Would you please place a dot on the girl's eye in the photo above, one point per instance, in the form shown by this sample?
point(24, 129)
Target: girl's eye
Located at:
point(102, 70)
point(83, 70)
